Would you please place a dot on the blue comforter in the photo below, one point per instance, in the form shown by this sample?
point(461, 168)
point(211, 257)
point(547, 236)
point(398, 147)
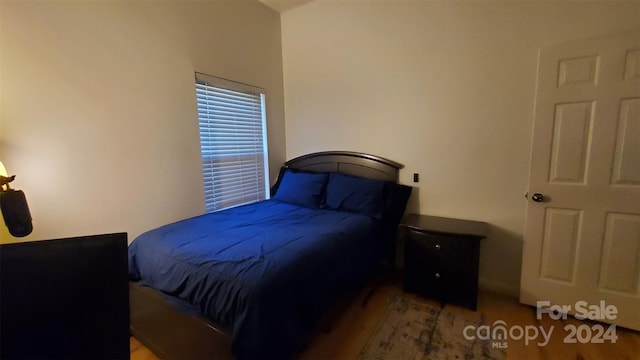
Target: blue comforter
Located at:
point(267, 271)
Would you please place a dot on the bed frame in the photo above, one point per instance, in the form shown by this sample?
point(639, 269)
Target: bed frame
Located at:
point(172, 334)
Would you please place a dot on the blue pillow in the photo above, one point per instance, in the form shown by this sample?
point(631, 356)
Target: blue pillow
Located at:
point(302, 188)
point(356, 195)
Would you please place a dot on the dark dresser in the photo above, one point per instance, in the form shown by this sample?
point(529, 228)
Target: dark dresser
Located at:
point(441, 258)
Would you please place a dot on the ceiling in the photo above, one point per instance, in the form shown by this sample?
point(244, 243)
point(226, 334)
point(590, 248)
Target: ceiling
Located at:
point(284, 5)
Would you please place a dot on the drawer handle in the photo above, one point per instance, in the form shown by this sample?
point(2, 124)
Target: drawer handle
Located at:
point(437, 246)
point(437, 275)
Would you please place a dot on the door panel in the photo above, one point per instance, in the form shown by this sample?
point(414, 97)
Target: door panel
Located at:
point(582, 243)
point(626, 170)
point(632, 64)
point(578, 71)
point(569, 153)
point(620, 268)
point(559, 244)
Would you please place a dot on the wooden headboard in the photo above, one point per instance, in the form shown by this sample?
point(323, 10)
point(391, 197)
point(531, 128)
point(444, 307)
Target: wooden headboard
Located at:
point(347, 162)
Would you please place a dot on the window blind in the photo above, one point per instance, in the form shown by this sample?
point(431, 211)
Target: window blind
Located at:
point(233, 144)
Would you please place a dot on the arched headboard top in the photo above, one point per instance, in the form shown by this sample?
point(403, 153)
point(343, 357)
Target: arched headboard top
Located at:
point(348, 162)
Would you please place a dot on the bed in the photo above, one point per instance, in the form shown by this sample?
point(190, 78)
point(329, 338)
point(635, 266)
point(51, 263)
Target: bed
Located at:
point(254, 281)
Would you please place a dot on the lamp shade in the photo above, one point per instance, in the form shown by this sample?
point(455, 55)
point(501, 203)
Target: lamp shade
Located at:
point(3, 170)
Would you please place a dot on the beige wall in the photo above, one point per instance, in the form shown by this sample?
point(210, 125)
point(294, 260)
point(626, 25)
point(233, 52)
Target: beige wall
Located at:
point(446, 88)
point(97, 106)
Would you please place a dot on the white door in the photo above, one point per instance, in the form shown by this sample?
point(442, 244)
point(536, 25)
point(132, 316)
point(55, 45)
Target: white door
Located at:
point(582, 241)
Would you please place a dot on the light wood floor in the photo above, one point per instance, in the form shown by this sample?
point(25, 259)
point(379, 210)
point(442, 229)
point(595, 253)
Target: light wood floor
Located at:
point(356, 324)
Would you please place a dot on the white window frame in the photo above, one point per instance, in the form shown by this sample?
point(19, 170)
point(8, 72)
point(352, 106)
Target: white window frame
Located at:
point(233, 142)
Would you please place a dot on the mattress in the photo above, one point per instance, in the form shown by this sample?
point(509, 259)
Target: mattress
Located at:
point(266, 271)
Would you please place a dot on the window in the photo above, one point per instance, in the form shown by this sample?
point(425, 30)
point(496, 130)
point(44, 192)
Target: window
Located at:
point(233, 140)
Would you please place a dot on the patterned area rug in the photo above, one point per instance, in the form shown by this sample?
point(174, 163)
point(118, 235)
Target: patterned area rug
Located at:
point(417, 331)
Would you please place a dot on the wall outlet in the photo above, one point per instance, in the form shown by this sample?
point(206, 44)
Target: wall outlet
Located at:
point(416, 177)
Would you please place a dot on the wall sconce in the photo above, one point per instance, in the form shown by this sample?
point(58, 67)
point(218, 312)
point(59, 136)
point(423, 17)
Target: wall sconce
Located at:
point(13, 204)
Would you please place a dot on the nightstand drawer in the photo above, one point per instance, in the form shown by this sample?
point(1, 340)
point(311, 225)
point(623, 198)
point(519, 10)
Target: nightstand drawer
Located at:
point(429, 270)
point(443, 247)
point(434, 281)
point(422, 277)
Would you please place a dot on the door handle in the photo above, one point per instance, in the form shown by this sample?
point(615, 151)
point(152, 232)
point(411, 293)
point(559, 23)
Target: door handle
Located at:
point(537, 197)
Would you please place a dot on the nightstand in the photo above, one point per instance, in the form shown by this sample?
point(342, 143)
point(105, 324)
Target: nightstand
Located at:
point(441, 258)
